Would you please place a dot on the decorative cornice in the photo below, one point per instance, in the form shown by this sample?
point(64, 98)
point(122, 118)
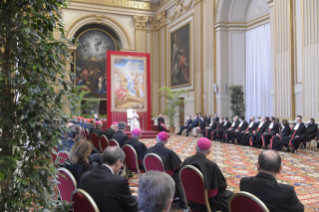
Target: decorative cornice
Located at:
point(131, 4)
point(141, 22)
point(159, 21)
point(180, 7)
point(162, 17)
point(154, 23)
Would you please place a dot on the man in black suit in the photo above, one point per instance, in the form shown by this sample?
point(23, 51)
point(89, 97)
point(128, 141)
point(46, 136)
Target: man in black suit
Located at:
point(241, 127)
point(243, 138)
point(312, 129)
point(253, 137)
point(218, 134)
point(161, 123)
point(188, 123)
point(111, 131)
point(194, 124)
point(120, 136)
point(227, 133)
point(277, 197)
point(110, 191)
point(272, 130)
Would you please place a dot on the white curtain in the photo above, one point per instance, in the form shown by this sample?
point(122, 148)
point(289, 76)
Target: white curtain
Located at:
point(258, 72)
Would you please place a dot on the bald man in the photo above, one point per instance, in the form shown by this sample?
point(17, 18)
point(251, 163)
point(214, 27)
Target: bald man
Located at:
point(277, 197)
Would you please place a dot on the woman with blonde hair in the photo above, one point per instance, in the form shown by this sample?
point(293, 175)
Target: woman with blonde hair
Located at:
point(80, 159)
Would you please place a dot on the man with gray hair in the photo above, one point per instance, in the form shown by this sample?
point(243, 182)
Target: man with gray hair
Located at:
point(110, 191)
point(155, 192)
point(277, 197)
point(215, 181)
point(120, 135)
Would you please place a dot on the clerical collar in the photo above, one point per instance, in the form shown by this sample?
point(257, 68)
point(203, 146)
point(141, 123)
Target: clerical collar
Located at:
point(159, 144)
point(201, 154)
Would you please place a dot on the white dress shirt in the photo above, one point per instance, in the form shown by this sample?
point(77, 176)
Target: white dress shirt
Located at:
point(296, 126)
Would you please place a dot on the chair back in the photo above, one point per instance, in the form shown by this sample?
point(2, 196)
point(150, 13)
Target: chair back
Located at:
point(83, 133)
point(113, 142)
point(87, 134)
point(153, 162)
point(67, 184)
point(95, 140)
point(82, 201)
point(64, 155)
point(54, 154)
point(244, 201)
point(192, 181)
point(104, 142)
point(131, 159)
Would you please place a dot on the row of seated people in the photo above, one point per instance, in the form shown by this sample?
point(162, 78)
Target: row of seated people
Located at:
point(111, 192)
point(262, 132)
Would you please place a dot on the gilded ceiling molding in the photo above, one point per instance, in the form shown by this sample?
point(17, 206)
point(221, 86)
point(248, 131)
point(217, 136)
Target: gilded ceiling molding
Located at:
point(154, 23)
point(140, 22)
point(159, 21)
point(100, 19)
point(180, 7)
point(131, 4)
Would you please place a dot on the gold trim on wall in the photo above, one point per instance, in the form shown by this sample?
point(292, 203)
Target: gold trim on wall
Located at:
point(131, 4)
point(100, 19)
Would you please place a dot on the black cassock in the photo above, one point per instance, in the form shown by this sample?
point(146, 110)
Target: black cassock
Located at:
point(214, 181)
point(207, 132)
point(230, 131)
point(218, 134)
point(312, 130)
point(254, 137)
point(275, 142)
point(140, 149)
point(171, 163)
point(270, 132)
point(242, 137)
point(292, 140)
point(160, 121)
point(241, 127)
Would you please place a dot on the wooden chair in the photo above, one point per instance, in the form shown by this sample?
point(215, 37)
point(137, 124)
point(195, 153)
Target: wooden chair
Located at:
point(82, 201)
point(131, 160)
point(113, 142)
point(95, 141)
point(67, 184)
point(104, 143)
point(246, 202)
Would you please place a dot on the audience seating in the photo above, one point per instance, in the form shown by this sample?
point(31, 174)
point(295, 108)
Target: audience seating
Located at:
point(104, 143)
point(67, 184)
point(54, 154)
point(113, 142)
point(82, 201)
point(192, 181)
point(131, 160)
point(153, 162)
point(63, 155)
point(87, 134)
point(246, 202)
point(95, 140)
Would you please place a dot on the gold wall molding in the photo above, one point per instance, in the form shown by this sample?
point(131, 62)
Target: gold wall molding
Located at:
point(140, 22)
point(159, 21)
point(130, 4)
point(99, 20)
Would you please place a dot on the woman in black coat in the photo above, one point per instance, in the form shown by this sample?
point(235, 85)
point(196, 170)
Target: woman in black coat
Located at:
point(276, 140)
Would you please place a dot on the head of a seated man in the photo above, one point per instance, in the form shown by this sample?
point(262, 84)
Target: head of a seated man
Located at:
point(136, 133)
point(298, 119)
point(114, 126)
point(114, 157)
point(272, 119)
point(122, 126)
point(93, 123)
point(99, 124)
point(155, 192)
point(242, 118)
point(263, 119)
point(236, 118)
point(203, 146)
point(162, 138)
point(269, 161)
point(252, 118)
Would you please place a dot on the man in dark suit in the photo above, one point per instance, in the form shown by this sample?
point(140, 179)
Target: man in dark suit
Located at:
point(272, 130)
point(98, 129)
point(243, 138)
point(212, 126)
point(120, 136)
point(312, 129)
point(253, 137)
point(110, 191)
point(227, 133)
point(161, 123)
point(111, 131)
point(194, 124)
point(277, 197)
point(188, 123)
point(93, 124)
point(218, 134)
point(139, 147)
point(241, 127)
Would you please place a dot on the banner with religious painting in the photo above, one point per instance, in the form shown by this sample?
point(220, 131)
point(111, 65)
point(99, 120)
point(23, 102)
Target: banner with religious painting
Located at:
point(128, 84)
point(90, 61)
point(180, 67)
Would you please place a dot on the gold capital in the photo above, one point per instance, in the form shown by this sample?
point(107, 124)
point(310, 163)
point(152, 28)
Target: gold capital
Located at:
point(141, 22)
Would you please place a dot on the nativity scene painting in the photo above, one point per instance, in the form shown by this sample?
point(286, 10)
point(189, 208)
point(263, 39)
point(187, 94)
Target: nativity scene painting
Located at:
point(90, 61)
point(128, 84)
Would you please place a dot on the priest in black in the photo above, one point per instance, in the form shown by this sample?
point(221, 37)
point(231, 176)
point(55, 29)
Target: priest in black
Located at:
point(272, 130)
point(243, 137)
point(218, 134)
point(120, 136)
point(187, 124)
point(241, 128)
point(230, 131)
point(312, 130)
point(172, 163)
point(139, 147)
point(298, 134)
point(161, 123)
point(276, 141)
point(215, 182)
point(256, 135)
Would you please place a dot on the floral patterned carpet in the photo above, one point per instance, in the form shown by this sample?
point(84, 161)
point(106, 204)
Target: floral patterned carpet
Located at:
point(300, 170)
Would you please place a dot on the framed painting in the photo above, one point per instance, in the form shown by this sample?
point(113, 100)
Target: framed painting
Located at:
point(180, 68)
point(90, 61)
point(128, 86)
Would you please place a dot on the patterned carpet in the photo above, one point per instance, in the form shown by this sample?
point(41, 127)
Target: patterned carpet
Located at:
point(300, 170)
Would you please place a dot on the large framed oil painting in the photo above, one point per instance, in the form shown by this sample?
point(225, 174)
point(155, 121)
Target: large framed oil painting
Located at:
point(90, 61)
point(180, 71)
